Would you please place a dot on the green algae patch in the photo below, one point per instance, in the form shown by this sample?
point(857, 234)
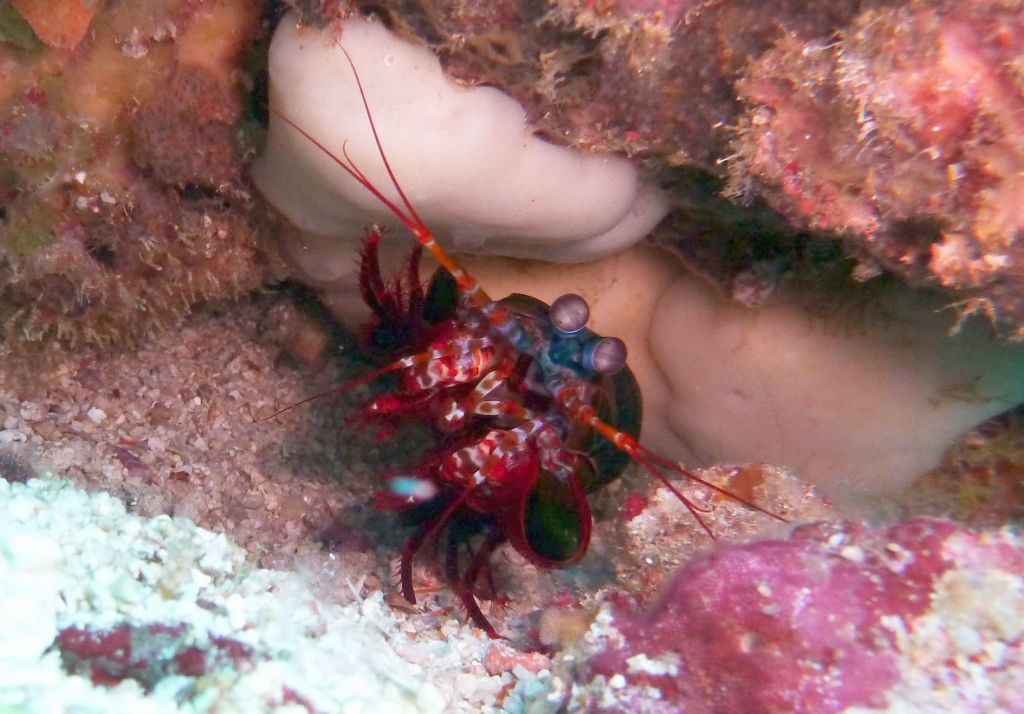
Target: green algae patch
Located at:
point(15, 31)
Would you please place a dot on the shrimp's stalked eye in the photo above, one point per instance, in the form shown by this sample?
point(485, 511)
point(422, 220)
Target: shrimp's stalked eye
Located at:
point(569, 314)
point(605, 356)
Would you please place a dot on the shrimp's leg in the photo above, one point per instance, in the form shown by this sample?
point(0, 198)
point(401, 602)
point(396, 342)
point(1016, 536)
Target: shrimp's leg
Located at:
point(463, 586)
point(401, 305)
point(455, 409)
point(452, 350)
point(427, 531)
point(371, 284)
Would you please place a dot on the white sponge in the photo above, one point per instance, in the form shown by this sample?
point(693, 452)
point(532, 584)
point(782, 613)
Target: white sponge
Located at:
point(473, 169)
point(856, 401)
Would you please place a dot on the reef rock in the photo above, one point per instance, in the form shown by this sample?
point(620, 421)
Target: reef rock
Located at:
point(123, 199)
point(924, 616)
point(903, 136)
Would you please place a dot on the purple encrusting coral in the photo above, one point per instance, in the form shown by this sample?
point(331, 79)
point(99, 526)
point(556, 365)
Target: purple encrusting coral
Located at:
point(832, 618)
point(146, 653)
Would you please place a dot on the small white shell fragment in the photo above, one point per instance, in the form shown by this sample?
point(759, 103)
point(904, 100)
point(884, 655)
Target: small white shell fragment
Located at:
point(96, 415)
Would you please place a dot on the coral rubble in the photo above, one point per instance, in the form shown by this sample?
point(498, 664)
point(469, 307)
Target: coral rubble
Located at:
point(122, 613)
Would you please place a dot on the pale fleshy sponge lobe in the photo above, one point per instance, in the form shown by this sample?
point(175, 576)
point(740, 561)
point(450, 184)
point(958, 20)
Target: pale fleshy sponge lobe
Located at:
point(471, 166)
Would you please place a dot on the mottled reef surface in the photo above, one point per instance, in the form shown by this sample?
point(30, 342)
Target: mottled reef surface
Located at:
point(827, 140)
point(790, 134)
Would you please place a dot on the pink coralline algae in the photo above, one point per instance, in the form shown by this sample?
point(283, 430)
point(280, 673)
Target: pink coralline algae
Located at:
point(904, 135)
point(837, 616)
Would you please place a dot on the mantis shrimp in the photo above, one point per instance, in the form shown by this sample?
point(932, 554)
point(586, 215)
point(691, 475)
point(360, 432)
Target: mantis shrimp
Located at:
point(534, 409)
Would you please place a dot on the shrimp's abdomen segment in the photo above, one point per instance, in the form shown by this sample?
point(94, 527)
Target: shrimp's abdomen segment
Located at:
point(486, 466)
point(466, 366)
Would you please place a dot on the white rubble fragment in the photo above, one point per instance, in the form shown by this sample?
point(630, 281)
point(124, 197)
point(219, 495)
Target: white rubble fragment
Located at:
point(96, 415)
point(68, 558)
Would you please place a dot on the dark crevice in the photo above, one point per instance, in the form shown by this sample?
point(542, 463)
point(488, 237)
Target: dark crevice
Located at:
point(102, 253)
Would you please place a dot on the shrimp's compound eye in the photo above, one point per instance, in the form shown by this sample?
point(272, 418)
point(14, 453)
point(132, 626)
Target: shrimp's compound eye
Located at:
point(606, 356)
point(569, 314)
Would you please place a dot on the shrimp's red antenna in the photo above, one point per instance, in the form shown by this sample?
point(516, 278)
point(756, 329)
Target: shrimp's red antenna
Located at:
point(587, 415)
point(468, 285)
point(335, 390)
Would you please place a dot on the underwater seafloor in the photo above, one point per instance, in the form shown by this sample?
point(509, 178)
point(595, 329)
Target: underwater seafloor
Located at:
point(171, 543)
point(167, 548)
